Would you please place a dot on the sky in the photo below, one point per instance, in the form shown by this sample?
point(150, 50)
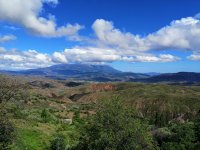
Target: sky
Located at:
point(129, 35)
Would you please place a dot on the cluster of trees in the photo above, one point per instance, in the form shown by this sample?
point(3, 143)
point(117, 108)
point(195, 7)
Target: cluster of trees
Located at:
point(181, 136)
point(10, 91)
point(114, 126)
point(119, 127)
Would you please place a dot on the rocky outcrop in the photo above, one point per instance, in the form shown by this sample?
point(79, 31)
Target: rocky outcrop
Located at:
point(102, 87)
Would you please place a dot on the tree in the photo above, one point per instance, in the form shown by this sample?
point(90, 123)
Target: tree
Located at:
point(6, 133)
point(197, 132)
point(182, 137)
point(58, 143)
point(45, 115)
point(197, 129)
point(10, 90)
point(115, 127)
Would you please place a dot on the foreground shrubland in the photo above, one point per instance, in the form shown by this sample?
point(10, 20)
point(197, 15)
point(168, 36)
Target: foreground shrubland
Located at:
point(114, 116)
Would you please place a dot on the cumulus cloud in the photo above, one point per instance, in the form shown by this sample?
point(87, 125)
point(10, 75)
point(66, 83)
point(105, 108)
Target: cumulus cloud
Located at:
point(6, 38)
point(180, 34)
point(152, 58)
point(194, 57)
point(90, 54)
point(108, 35)
point(27, 14)
point(59, 57)
point(29, 59)
point(98, 55)
point(109, 45)
point(13, 59)
point(183, 34)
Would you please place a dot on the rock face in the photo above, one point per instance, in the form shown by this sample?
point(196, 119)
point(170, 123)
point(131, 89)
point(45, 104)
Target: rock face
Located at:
point(102, 87)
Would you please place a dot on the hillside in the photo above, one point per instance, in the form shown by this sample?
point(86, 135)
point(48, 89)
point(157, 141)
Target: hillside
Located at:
point(51, 105)
point(184, 77)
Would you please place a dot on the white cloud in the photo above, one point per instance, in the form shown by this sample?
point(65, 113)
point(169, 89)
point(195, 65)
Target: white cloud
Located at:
point(108, 35)
point(194, 57)
point(91, 54)
point(98, 55)
point(7, 38)
point(180, 34)
point(27, 14)
point(110, 43)
point(2, 49)
point(168, 58)
point(183, 34)
point(151, 58)
point(59, 57)
point(13, 59)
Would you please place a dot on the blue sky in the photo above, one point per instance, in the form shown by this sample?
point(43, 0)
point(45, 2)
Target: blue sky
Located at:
point(130, 35)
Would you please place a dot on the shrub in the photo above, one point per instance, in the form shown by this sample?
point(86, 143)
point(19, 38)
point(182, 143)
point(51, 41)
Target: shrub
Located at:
point(46, 116)
point(58, 143)
point(6, 133)
point(115, 127)
point(182, 137)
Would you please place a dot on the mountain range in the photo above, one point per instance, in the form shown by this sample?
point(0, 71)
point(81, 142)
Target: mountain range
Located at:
point(186, 77)
point(104, 73)
point(87, 72)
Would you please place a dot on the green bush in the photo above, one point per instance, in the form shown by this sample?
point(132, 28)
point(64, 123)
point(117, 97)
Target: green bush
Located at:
point(115, 127)
point(182, 137)
point(47, 116)
point(58, 143)
point(197, 129)
point(6, 133)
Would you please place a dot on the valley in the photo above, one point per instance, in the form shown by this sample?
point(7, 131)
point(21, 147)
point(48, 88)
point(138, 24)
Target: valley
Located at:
point(62, 107)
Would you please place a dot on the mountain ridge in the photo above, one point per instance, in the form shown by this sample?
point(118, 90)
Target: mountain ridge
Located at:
point(105, 73)
point(100, 73)
point(174, 77)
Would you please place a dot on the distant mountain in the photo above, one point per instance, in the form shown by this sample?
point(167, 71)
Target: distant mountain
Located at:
point(153, 73)
point(187, 77)
point(105, 73)
point(101, 73)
